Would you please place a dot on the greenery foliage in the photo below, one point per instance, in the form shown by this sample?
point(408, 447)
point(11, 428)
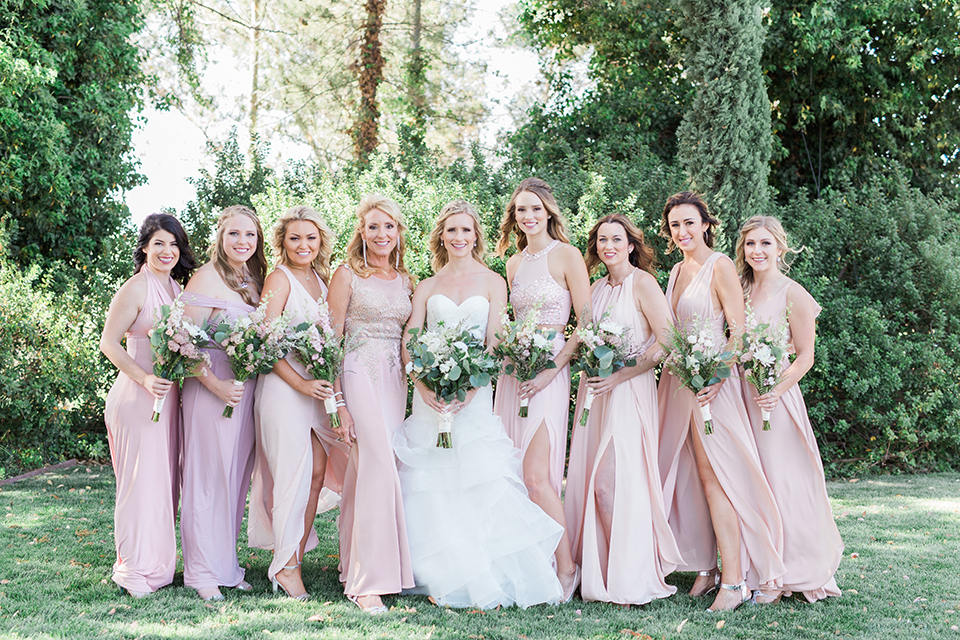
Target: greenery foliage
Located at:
point(69, 79)
point(881, 260)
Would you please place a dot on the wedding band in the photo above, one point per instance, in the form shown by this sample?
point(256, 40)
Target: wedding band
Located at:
point(339, 439)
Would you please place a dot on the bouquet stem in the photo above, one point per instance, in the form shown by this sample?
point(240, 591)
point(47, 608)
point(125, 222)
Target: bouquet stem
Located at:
point(524, 411)
point(157, 408)
point(444, 439)
point(707, 419)
point(765, 415)
point(330, 404)
point(587, 403)
point(228, 410)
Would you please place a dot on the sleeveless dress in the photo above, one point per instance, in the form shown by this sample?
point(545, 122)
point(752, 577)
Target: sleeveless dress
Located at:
point(285, 421)
point(217, 462)
point(533, 285)
point(731, 451)
point(374, 557)
point(631, 567)
point(146, 462)
point(791, 461)
point(476, 539)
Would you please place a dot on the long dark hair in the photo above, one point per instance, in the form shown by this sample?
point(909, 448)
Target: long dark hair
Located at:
point(694, 199)
point(642, 256)
point(165, 222)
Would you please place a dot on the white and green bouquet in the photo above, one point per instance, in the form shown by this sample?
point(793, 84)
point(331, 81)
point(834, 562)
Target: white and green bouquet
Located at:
point(696, 356)
point(605, 347)
point(252, 344)
point(763, 355)
point(450, 361)
point(177, 346)
point(321, 350)
point(526, 349)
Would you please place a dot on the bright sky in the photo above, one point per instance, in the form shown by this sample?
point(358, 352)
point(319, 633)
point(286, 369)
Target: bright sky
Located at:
point(171, 148)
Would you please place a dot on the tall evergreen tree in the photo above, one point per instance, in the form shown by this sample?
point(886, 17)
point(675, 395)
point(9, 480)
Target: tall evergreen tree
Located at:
point(725, 135)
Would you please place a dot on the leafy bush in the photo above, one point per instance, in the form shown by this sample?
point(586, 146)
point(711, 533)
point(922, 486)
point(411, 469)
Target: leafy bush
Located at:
point(882, 261)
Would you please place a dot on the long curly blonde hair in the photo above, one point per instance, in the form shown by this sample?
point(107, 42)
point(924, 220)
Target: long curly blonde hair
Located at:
point(775, 228)
point(440, 256)
point(354, 258)
point(320, 264)
point(256, 263)
point(509, 225)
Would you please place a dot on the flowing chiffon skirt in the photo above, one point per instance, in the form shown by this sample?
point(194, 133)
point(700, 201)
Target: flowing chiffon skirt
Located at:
point(476, 539)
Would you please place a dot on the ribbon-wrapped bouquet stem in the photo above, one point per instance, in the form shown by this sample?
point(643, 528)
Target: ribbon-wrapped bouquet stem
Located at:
point(177, 346)
point(763, 356)
point(319, 348)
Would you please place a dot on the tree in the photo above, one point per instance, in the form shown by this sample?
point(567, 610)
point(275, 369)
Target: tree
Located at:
point(725, 136)
point(369, 70)
point(66, 105)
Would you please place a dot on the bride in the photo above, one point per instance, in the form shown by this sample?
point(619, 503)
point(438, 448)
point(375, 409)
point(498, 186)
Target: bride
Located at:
point(476, 539)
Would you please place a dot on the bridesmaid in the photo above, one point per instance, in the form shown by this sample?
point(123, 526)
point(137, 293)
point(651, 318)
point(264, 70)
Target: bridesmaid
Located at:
point(217, 451)
point(791, 459)
point(296, 450)
point(370, 299)
point(613, 501)
point(548, 272)
point(145, 454)
point(713, 479)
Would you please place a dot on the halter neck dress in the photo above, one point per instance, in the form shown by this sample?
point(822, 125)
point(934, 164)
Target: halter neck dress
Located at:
point(532, 285)
point(731, 451)
point(286, 420)
point(630, 567)
point(217, 462)
point(812, 547)
point(146, 461)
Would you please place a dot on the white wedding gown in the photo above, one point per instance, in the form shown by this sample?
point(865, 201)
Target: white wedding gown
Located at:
point(476, 539)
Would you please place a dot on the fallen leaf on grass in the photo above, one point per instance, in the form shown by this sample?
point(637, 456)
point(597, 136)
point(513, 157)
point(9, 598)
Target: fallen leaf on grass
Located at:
point(854, 555)
point(853, 591)
point(636, 634)
point(112, 611)
point(80, 533)
point(208, 605)
point(480, 611)
point(4, 581)
point(680, 626)
point(774, 624)
point(319, 617)
point(433, 601)
point(720, 624)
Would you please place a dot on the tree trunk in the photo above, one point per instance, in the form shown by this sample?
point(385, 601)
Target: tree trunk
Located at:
point(255, 73)
point(369, 71)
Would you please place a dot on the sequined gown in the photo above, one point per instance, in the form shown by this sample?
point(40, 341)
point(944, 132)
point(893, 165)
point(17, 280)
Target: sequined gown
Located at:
point(476, 539)
point(286, 420)
point(731, 451)
point(630, 566)
point(217, 461)
point(812, 547)
point(374, 556)
point(533, 285)
point(146, 462)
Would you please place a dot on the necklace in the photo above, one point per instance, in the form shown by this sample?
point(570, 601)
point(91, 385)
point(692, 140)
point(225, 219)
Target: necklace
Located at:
point(301, 271)
point(539, 254)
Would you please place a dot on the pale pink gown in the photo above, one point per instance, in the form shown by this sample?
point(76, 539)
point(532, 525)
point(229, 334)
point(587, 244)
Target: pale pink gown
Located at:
point(532, 285)
point(374, 555)
point(146, 462)
point(217, 461)
point(731, 451)
point(629, 568)
point(286, 420)
point(791, 461)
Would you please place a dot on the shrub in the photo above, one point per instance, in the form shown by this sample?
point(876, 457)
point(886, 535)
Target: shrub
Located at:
point(882, 261)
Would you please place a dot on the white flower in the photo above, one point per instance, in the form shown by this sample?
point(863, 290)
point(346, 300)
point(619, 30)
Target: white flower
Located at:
point(764, 355)
point(460, 345)
point(691, 362)
point(611, 327)
point(540, 341)
point(409, 367)
point(446, 365)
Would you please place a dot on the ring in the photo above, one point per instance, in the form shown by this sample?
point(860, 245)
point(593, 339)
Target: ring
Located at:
point(339, 439)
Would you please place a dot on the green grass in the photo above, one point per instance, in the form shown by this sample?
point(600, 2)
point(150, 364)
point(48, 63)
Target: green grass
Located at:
point(900, 576)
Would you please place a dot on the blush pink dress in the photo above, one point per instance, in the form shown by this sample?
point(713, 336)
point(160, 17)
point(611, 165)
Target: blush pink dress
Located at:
point(374, 555)
point(533, 285)
point(285, 422)
point(216, 463)
point(630, 567)
point(791, 461)
point(146, 462)
point(731, 451)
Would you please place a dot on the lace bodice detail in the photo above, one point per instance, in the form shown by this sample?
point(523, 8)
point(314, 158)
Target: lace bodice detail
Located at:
point(533, 284)
point(472, 312)
point(378, 309)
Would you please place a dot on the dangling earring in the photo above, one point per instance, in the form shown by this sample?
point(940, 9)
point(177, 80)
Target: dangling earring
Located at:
point(398, 256)
point(364, 253)
point(474, 243)
point(441, 243)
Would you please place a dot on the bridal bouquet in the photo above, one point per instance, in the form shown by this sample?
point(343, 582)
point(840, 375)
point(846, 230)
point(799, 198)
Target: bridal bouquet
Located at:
point(526, 349)
point(605, 347)
point(696, 357)
point(450, 361)
point(762, 356)
point(252, 343)
point(176, 344)
point(321, 350)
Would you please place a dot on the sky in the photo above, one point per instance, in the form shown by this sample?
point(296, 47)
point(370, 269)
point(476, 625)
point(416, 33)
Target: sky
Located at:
point(171, 148)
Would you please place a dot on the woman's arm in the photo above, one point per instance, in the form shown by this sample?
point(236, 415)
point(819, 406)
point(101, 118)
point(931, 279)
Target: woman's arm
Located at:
point(338, 300)
point(497, 292)
point(726, 284)
point(418, 317)
point(206, 282)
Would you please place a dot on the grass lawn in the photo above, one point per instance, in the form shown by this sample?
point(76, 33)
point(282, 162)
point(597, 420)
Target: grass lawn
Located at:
point(900, 576)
